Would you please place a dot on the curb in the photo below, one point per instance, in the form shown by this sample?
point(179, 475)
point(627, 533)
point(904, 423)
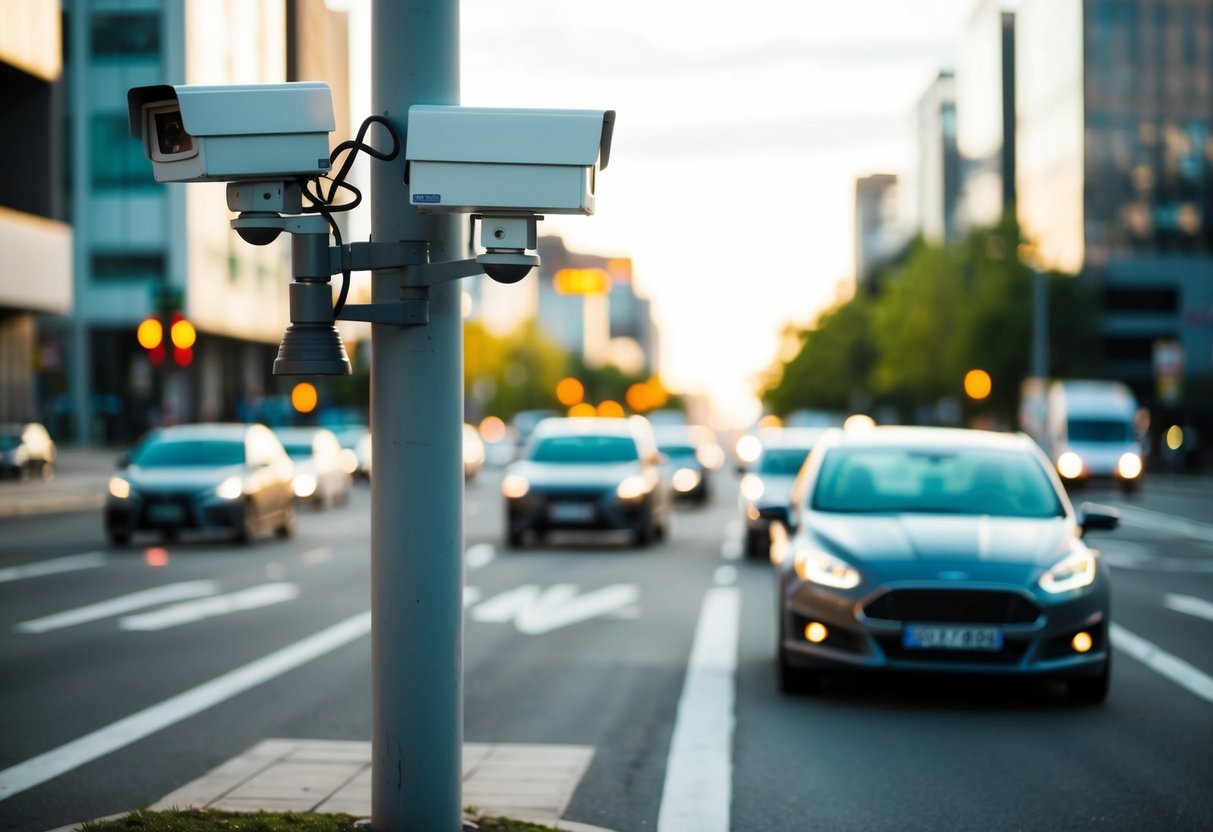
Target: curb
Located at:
point(562, 825)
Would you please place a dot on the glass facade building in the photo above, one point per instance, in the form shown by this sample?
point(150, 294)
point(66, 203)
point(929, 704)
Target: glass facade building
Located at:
point(1115, 174)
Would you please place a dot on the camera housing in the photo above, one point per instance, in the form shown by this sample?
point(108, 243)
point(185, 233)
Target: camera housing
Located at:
point(201, 133)
point(496, 161)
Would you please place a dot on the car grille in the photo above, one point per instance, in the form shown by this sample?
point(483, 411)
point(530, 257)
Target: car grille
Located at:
point(953, 606)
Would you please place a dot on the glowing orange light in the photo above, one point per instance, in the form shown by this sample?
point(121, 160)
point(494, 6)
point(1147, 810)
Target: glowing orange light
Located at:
point(570, 391)
point(770, 421)
point(492, 429)
point(581, 282)
point(155, 556)
point(816, 632)
point(150, 333)
point(303, 397)
point(583, 409)
point(610, 410)
point(978, 384)
point(1082, 642)
point(182, 334)
point(639, 398)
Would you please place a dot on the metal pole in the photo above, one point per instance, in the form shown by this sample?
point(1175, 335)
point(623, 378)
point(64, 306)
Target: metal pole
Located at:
point(416, 423)
point(1040, 325)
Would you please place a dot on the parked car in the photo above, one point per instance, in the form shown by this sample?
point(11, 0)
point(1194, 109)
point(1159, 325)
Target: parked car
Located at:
point(27, 450)
point(768, 481)
point(203, 477)
point(939, 550)
point(355, 442)
point(588, 473)
point(473, 452)
point(691, 456)
point(321, 479)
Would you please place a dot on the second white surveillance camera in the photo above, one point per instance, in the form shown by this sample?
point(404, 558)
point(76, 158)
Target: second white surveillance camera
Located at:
point(199, 133)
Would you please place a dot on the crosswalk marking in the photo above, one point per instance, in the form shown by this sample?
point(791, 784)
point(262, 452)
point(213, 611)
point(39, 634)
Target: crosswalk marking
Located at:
point(1162, 662)
point(188, 612)
point(117, 606)
point(55, 566)
point(535, 610)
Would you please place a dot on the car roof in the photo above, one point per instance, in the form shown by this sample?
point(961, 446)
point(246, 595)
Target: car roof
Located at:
point(904, 436)
point(585, 425)
point(298, 432)
point(790, 437)
point(206, 430)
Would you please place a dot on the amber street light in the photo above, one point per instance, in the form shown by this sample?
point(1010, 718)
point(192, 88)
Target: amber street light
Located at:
point(977, 384)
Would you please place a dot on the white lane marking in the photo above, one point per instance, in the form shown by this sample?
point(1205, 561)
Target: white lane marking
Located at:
point(122, 733)
point(190, 611)
point(1191, 605)
point(734, 529)
point(55, 566)
point(503, 607)
point(123, 604)
point(725, 575)
point(479, 555)
point(1162, 662)
point(699, 773)
point(1168, 524)
point(560, 606)
point(321, 555)
point(471, 595)
point(731, 549)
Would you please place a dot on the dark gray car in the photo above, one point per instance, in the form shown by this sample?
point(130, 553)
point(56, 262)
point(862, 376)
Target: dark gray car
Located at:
point(933, 549)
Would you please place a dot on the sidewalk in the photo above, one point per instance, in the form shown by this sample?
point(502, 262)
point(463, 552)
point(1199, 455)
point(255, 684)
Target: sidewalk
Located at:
point(78, 485)
point(524, 782)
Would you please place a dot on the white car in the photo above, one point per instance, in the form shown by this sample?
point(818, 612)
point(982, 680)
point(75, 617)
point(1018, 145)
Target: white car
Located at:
point(320, 477)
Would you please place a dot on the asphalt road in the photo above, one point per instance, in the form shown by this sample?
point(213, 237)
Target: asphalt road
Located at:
point(591, 641)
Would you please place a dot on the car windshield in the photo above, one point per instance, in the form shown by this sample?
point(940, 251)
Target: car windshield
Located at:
point(1099, 430)
point(677, 451)
point(8, 441)
point(298, 450)
point(782, 461)
point(169, 453)
point(970, 481)
point(581, 449)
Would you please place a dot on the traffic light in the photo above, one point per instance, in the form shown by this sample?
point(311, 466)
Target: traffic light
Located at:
point(183, 335)
point(150, 335)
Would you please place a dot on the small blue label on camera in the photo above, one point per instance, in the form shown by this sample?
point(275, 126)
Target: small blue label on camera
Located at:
point(433, 198)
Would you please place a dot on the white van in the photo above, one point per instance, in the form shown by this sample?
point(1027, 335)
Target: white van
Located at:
point(1089, 432)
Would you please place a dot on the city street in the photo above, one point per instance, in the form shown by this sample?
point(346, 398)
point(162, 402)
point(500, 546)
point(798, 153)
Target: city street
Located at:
point(587, 640)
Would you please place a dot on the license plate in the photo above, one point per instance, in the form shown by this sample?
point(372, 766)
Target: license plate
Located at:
point(571, 512)
point(165, 513)
point(920, 637)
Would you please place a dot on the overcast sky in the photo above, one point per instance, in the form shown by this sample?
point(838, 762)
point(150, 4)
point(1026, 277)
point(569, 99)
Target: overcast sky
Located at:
point(741, 127)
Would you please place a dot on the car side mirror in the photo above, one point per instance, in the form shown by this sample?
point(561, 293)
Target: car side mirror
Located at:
point(1095, 517)
point(778, 513)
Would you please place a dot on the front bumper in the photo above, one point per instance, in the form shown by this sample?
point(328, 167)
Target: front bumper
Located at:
point(174, 511)
point(600, 509)
point(867, 632)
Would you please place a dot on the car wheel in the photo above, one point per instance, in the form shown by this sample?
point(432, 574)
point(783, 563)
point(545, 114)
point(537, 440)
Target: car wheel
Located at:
point(1090, 690)
point(754, 544)
point(117, 537)
point(796, 680)
point(643, 534)
point(286, 529)
point(47, 470)
point(513, 540)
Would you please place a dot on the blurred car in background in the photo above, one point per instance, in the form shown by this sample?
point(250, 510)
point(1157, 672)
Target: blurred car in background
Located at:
point(473, 451)
point(691, 455)
point(588, 473)
point(523, 423)
point(321, 479)
point(939, 550)
point(27, 450)
point(203, 477)
point(768, 481)
point(355, 442)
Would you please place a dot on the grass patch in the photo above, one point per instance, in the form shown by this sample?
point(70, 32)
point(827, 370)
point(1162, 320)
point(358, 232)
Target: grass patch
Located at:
point(214, 820)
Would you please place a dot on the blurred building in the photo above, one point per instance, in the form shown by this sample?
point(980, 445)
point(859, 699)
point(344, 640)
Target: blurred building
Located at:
point(985, 116)
point(879, 236)
point(35, 243)
point(1115, 170)
point(614, 326)
point(933, 190)
point(143, 247)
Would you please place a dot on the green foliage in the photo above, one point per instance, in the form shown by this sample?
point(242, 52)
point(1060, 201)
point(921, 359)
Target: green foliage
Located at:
point(941, 311)
point(506, 374)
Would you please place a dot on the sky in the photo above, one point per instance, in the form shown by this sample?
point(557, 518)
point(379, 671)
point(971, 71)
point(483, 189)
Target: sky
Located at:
point(741, 126)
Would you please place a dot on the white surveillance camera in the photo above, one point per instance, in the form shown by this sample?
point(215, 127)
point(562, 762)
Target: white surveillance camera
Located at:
point(195, 133)
point(495, 161)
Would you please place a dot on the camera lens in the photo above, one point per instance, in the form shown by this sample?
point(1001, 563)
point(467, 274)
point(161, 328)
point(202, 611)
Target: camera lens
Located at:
point(171, 135)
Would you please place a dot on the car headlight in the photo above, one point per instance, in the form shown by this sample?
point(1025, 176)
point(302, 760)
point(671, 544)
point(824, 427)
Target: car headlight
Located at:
point(515, 486)
point(305, 485)
point(119, 488)
point(1074, 571)
point(349, 461)
point(818, 567)
point(230, 489)
point(637, 485)
point(1069, 465)
point(685, 479)
point(710, 456)
point(752, 487)
point(1129, 466)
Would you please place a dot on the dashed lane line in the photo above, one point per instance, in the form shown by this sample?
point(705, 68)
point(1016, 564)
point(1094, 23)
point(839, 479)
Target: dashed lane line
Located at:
point(1190, 605)
point(55, 566)
point(117, 606)
point(1162, 662)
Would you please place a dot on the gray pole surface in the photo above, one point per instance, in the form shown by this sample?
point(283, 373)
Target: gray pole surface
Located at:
point(416, 423)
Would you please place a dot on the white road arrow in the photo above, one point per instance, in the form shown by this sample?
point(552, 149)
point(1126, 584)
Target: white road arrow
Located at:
point(535, 611)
